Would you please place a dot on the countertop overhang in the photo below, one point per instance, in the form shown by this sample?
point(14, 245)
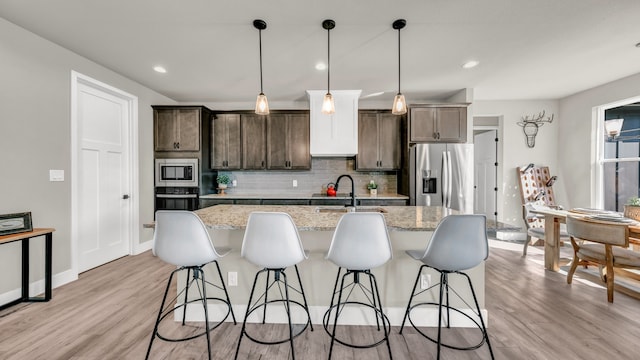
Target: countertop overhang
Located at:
point(307, 218)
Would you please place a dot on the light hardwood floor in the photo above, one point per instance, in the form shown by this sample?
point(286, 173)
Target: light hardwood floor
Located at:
point(533, 314)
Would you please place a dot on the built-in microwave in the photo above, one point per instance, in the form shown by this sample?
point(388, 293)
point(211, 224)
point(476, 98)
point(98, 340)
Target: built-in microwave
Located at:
point(177, 172)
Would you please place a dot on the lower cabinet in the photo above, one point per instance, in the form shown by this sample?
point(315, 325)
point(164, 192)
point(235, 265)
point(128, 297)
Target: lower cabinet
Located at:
point(383, 202)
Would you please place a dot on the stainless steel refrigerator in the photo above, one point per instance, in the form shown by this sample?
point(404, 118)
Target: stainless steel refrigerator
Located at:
point(442, 175)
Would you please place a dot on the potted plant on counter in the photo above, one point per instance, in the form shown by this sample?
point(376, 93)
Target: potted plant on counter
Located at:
point(373, 188)
point(632, 208)
point(223, 182)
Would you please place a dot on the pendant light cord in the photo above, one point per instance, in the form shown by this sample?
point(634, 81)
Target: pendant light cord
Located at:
point(398, 61)
point(328, 60)
point(260, 45)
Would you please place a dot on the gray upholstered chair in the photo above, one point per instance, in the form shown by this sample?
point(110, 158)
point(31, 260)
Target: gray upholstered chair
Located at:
point(181, 239)
point(603, 243)
point(360, 243)
point(271, 241)
point(459, 243)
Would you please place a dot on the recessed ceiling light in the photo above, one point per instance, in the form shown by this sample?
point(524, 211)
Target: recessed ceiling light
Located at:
point(160, 69)
point(470, 64)
point(321, 66)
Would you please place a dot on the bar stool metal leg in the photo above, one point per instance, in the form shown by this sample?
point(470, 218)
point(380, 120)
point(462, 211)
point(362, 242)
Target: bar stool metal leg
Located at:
point(339, 305)
point(246, 314)
point(304, 297)
point(155, 327)
point(226, 293)
point(384, 323)
point(204, 304)
point(186, 293)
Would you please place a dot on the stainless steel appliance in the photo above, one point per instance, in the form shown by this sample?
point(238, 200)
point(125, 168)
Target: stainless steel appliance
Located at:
point(177, 182)
point(442, 175)
point(176, 198)
point(177, 172)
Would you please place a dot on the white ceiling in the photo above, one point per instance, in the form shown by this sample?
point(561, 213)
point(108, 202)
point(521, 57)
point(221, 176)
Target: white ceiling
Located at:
point(533, 49)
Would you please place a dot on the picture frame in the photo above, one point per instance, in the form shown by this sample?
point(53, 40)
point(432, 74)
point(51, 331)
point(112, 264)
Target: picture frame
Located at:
point(15, 223)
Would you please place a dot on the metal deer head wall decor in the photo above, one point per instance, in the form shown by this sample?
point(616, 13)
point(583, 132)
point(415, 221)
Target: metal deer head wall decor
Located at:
point(531, 124)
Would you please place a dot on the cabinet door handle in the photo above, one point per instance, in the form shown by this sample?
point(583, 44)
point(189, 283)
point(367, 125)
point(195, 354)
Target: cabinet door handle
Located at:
point(262, 163)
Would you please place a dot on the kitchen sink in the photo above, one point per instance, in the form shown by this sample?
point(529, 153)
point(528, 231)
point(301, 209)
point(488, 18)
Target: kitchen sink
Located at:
point(349, 209)
point(338, 195)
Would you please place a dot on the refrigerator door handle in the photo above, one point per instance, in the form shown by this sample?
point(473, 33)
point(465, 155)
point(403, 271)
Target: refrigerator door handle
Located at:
point(444, 187)
point(449, 179)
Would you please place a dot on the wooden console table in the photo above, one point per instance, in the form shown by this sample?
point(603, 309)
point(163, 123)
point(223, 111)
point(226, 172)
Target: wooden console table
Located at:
point(25, 237)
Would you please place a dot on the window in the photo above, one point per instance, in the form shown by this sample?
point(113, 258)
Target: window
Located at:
point(620, 158)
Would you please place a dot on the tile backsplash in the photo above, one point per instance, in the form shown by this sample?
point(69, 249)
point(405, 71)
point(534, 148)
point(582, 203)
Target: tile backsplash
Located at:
point(323, 171)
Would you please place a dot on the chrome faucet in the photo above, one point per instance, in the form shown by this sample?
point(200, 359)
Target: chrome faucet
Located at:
point(353, 188)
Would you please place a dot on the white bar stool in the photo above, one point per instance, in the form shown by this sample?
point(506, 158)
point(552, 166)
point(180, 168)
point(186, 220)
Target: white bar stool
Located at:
point(181, 239)
point(360, 243)
point(459, 243)
point(271, 241)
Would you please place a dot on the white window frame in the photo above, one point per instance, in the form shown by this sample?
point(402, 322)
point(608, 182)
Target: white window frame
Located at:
point(598, 134)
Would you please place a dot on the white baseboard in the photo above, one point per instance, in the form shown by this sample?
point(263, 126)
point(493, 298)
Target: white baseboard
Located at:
point(353, 315)
point(140, 248)
point(37, 287)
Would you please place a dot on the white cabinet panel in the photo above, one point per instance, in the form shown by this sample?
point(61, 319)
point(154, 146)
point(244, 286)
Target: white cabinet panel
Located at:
point(336, 134)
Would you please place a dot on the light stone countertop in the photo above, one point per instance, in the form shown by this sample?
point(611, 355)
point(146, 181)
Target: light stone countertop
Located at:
point(306, 218)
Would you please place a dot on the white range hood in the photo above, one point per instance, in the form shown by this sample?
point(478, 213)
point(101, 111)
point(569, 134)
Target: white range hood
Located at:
point(335, 134)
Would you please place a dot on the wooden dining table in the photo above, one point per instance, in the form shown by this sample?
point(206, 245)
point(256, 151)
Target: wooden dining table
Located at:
point(552, 220)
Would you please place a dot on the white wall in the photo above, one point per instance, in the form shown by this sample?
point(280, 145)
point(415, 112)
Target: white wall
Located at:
point(576, 147)
point(514, 152)
point(35, 131)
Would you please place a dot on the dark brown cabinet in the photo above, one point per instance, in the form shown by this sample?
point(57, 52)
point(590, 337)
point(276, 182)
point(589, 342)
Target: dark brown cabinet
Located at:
point(288, 141)
point(378, 141)
point(438, 124)
point(177, 129)
point(254, 130)
point(226, 150)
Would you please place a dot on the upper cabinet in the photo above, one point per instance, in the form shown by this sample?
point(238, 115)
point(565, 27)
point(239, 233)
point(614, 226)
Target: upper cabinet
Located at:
point(254, 130)
point(335, 134)
point(288, 141)
point(177, 129)
point(438, 123)
point(226, 150)
point(379, 141)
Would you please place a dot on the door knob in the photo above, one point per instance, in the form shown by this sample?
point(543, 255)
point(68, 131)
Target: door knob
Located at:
point(125, 197)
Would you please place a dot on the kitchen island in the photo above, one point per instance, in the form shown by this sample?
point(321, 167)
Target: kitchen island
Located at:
point(410, 227)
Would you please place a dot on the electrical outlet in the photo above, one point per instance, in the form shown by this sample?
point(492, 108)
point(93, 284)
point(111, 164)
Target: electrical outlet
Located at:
point(425, 280)
point(232, 278)
point(295, 183)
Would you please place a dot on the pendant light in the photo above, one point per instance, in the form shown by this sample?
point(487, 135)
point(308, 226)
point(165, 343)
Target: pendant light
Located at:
point(328, 106)
point(262, 105)
point(399, 103)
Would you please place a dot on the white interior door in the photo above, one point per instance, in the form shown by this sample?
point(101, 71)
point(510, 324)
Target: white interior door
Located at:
point(485, 173)
point(103, 211)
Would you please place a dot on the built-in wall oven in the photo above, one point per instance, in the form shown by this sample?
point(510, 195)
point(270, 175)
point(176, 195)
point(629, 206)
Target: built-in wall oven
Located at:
point(177, 184)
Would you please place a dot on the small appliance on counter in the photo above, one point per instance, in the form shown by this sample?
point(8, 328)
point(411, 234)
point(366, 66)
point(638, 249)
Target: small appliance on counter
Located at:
point(331, 189)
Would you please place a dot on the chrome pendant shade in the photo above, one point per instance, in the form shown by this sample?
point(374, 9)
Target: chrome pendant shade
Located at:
point(399, 103)
point(262, 105)
point(328, 106)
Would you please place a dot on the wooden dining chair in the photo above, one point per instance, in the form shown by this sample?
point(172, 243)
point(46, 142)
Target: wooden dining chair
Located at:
point(535, 227)
point(603, 243)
